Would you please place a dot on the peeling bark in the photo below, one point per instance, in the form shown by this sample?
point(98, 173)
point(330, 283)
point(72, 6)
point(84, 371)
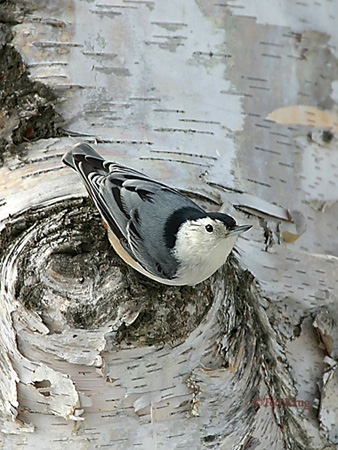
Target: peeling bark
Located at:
point(234, 104)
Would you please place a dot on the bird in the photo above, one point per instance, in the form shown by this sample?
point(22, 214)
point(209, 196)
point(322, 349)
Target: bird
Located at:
point(153, 227)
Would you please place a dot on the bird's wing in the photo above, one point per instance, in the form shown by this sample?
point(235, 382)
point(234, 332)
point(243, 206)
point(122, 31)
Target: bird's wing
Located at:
point(133, 205)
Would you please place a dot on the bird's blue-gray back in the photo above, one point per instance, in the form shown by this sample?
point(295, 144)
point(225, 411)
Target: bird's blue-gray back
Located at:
point(142, 207)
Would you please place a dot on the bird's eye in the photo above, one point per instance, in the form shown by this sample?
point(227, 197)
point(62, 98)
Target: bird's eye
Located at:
point(209, 228)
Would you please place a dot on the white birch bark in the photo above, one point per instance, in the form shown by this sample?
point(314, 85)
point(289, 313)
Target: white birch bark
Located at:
point(235, 103)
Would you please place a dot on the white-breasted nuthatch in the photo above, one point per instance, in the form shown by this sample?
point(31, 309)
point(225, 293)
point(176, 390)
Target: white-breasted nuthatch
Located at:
point(153, 227)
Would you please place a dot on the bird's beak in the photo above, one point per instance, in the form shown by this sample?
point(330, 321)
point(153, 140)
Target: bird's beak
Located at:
point(238, 229)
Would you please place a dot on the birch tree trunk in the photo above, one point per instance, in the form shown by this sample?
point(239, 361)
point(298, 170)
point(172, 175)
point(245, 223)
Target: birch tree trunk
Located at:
point(234, 103)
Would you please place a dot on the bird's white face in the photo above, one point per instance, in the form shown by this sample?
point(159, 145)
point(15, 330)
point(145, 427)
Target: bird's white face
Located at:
point(202, 246)
point(205, 232)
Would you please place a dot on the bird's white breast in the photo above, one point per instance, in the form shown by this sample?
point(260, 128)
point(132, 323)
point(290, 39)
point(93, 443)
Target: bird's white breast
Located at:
point(197, 263)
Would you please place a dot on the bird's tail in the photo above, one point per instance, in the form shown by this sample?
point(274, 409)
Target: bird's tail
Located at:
point(78, 152)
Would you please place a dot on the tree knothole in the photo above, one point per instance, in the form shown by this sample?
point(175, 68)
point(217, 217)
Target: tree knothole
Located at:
point(58, 263)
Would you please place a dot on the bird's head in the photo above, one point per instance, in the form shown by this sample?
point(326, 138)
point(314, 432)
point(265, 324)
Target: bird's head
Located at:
point(210, 232)
point(202, 240)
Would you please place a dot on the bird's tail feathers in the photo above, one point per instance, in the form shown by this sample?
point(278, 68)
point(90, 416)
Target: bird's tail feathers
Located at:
point(79, 151)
